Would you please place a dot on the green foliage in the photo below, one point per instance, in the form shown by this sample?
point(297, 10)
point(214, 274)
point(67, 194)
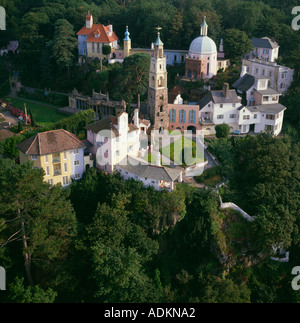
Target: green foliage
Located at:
point(20, 126)
point(236, 44)
point(77, 122)
point(18, 293)
point(106, 49)
point(222, 130)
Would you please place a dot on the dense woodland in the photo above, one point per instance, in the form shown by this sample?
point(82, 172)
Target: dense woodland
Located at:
point(108, 240)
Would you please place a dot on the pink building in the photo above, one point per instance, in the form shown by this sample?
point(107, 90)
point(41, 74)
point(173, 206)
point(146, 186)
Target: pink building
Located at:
point(184, 117)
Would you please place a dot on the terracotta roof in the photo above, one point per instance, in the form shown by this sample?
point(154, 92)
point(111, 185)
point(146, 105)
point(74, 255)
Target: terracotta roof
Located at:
point(98, 29)
point(49, 142)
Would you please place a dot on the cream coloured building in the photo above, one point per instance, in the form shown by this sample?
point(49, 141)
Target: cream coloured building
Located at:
point(58, 152)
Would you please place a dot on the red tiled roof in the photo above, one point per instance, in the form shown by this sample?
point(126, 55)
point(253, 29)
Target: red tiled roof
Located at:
point(96, 29)
point(49, 142)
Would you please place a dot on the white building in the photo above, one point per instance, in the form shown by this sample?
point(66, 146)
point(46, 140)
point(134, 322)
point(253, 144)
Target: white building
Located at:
point(112, 139)
point(264, 113)
point(219, 107)
point(261, 62)
point(150, 175)
point(265, 49)
point(205, 49)
point(117, 144)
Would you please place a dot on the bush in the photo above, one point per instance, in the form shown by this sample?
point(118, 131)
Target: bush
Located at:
point(106, 49)
point(222, 130)
point(209, 173)
point(57, 99)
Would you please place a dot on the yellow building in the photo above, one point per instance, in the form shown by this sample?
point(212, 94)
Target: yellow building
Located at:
point(59, 152)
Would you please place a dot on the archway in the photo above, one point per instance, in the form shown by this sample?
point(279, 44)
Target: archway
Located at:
point(192, 128)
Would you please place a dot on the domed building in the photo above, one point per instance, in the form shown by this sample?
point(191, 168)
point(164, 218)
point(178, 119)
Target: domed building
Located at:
point(201, 62)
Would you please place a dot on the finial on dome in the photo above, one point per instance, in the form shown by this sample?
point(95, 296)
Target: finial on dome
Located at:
point(204, 27)
point(158, 41)
point(127, 34)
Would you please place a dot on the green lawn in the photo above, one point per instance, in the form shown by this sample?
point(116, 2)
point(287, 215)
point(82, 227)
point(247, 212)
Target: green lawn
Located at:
point(43, 115)
point(174, 152)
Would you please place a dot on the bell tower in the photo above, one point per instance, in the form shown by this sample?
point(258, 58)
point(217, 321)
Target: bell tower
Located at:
point(158, 89)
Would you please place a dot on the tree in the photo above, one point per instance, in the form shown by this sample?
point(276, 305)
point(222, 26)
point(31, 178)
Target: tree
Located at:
point(225, 291)
point(18, 293)
point(222, 130)
point(64, 44)
point(119, 251)
point(106, 50)
point(236, 44)
point(20, 126)
point(33, 122)
point(135, 76)
point(37, 220)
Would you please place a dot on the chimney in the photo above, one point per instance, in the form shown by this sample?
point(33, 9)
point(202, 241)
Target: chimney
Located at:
point(158, 159)
point(136, 118)
point(110, 27)
point(226, 90)
point(89, 20)
point(244, 71)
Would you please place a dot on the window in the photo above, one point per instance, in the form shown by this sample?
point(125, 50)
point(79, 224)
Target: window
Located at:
point(56, 158)
point(33, 157)
point(56, 169)
point(270, 117)
point(47, 171)
point(233, 105)
point(118, 153)
point(220, 116)
point(221, 105)
point(77, 176)
point(265, 98)
point(66, 167)
point(246, 117)
point(65, 155)
point(255, 116)
point(65, 180)
point(50, 181)
point(46, 159)
point(76, 162)
point(75, 151)
point(232, 116)
point(161, 108)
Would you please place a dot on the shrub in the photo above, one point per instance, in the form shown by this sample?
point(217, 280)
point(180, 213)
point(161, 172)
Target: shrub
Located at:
point(222, 130)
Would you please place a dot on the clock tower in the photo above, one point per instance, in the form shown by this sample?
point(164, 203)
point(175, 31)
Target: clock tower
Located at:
point(158, 89)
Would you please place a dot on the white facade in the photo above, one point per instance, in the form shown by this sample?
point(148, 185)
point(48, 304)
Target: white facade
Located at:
point(112, 144)
point(264, 114)
point(280, 77)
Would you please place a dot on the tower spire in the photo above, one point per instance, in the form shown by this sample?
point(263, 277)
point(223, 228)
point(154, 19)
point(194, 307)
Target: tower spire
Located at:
point(204, 27)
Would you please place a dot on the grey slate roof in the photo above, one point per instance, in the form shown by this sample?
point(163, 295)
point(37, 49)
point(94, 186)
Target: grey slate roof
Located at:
point(264, 42)
point(135, 167)
point(218, 97)
point(266, 108)
point(244, 83)
point(272, 108)
point(268, 91)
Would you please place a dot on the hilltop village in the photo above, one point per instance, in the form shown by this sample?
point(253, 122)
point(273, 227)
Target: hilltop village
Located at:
point(149, 174)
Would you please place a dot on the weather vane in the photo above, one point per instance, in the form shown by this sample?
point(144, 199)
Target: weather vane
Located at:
point(158, 28)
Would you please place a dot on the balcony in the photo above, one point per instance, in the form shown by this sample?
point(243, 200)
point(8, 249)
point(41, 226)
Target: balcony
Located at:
point(55, 158)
